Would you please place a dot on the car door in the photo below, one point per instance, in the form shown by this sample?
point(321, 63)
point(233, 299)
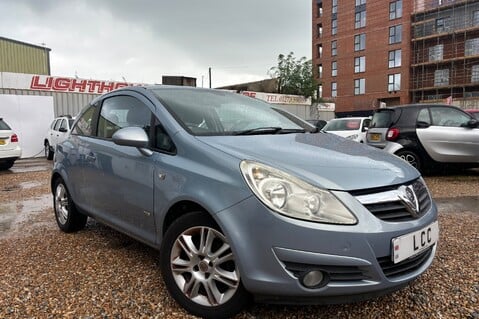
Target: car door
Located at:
point(122, 176)
point(445, 135)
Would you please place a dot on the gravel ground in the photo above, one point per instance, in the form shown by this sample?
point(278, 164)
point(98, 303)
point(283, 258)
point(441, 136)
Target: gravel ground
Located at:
point(99, 273)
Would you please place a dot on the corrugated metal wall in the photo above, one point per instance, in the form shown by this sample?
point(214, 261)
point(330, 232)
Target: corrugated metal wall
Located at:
point(22, 57)
point(64, 103)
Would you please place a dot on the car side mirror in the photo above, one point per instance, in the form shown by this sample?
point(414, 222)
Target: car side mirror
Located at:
point(472, 123)
point(365, 129)
point(422, 124)
point(133, 136)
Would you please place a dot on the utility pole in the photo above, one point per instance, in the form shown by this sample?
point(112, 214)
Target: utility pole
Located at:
point(209, 72)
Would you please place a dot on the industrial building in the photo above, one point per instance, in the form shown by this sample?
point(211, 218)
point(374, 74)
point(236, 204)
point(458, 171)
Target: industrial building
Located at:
point(396, 52)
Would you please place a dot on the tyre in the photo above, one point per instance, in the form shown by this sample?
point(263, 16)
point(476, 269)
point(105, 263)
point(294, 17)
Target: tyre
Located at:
point(6, 165)
point(410, 157)
point(199, 268)
point(67, 217)
point(48, 151)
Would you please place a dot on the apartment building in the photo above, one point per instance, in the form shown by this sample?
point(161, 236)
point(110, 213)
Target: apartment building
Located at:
point(371, 53)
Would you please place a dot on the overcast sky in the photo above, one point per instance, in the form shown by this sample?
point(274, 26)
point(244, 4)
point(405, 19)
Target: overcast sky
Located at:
point(144, 39)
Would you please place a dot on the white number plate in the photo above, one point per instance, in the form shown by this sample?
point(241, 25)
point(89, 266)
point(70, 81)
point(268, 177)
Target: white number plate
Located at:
point(413, 243)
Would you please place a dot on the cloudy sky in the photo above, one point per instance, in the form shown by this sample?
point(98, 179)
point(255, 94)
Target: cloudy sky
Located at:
point(144, 39)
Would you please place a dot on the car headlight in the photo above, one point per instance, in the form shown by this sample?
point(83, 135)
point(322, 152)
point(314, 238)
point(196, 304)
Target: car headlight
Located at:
point(353, 137)
point(292, 197)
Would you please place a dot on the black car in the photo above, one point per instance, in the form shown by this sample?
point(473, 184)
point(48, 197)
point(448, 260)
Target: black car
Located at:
point(426, 134)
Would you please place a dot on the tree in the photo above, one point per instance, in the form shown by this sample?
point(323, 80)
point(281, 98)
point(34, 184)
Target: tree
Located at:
point(295, 76)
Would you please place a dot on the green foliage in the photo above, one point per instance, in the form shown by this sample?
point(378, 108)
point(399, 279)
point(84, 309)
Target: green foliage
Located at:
point(295, 76)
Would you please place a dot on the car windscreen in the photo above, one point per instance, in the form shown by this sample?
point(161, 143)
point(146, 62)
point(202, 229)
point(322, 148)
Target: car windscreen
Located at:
point(382, 118)
point(3, 125)
point(343, 125)
point(216, 112)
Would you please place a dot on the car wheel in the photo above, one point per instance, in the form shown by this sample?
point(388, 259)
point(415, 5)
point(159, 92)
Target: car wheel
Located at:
point(66, 214)
point(6, 165)
point(199, 268)
point(410, 157)
point(48, 151)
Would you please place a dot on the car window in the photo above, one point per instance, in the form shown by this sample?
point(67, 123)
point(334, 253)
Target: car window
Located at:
point(84, 125)
point(343, 125)
point(57, 125)
point(122, 111)
point(64, 125)
point(423, 116)
point(162, 140)
point(70, 122)
point(382, 118)
point(447, 116)
point(219, 112)
point(366, 123)
point(3, 125)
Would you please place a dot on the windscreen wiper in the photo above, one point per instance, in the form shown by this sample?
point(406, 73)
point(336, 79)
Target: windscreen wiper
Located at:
point(270, 130)
point(260, 130)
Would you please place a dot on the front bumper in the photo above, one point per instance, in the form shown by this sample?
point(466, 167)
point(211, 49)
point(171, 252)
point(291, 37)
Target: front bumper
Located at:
point(271, 251)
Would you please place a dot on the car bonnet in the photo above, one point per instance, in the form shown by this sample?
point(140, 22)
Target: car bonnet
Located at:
point(322, 159)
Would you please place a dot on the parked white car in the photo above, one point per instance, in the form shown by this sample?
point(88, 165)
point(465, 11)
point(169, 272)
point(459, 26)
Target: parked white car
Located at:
point(353, 128)
point(10, 150)
point(57, 133)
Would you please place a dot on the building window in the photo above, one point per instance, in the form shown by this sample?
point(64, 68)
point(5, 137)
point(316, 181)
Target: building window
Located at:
point(334, 6)
point(320, 71)
point(334, 89)
point(334, 68)
point(471, 47)
point(394, 82)
point(475, 18)
point(436, 52)
point(441, 77)
point(395, 9)
point(360, 19)
point(320, 30)
point(320, 90)
point(395, 34)
point(319, 9)
point(475, 73)
point(442, 24)
point(395, 58)
point(320, 50)
point(359, 86)
point(359, 64)
point(360, 2)
point(334, 48)
point(360, 42)
point(334, 26)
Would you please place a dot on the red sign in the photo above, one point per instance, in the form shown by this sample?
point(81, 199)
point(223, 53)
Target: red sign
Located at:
point(60, 84)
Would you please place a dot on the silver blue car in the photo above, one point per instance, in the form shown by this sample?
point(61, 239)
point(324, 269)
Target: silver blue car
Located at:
point(244, 201)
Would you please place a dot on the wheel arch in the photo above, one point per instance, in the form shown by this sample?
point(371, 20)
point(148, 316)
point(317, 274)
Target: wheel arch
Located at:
point(181, 208)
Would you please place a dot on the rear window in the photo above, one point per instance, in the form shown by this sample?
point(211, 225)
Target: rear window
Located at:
point(382, 119)
point(343, 125)
point(4, 126)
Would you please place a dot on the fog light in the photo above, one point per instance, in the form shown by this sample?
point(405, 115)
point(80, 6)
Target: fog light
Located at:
point(312, 278)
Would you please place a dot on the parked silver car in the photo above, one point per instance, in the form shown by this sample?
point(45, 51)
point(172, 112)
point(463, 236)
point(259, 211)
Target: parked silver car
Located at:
point(426, 135)
point(242, 201)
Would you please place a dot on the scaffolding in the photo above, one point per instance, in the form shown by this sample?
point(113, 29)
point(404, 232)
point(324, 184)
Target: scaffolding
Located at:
point(445, 52)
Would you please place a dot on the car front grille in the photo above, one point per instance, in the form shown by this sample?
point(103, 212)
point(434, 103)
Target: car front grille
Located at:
point(409, 265)
point(387, 205)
